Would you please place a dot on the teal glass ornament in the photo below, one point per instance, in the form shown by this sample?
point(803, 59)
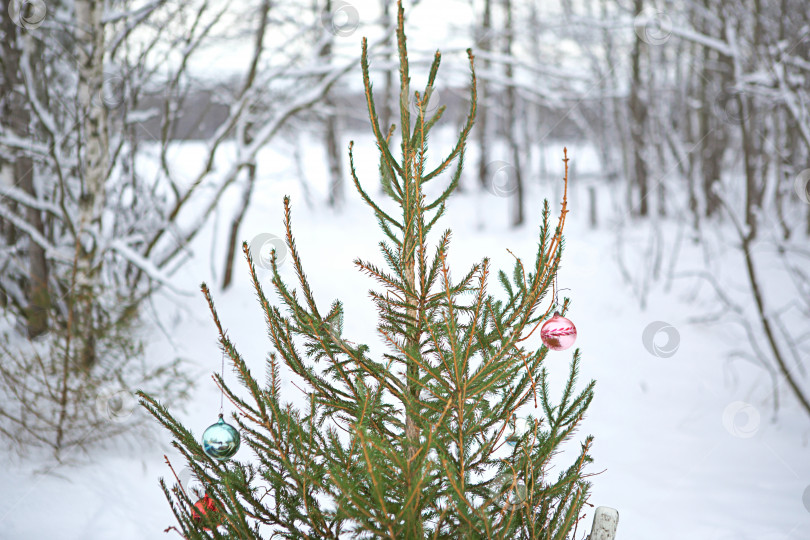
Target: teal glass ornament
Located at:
point(520, 426)
point(221, 440)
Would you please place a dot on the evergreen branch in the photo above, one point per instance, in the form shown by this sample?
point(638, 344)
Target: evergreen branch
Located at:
point(424, 421)
point(404, 82)
point(439, 213)
point(376, 483)
point(388, 177)
point(377, 210)
point(382, 143)
point(383, 278)
point(467, 126)
point(296, 259)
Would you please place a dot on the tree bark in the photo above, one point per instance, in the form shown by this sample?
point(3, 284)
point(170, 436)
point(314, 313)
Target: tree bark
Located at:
point(94, 164)
point(485, 44)
point(333, 158)
point(765, 321)
point(333, 154)
point(245, 140)
point(236, 222)
point(38, 295)
point(638, 114)
point(511, 119)
point(21, 171)
point(713, 135)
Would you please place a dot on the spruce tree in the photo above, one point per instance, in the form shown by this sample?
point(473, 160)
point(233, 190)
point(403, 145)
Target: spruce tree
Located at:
point(412, 444)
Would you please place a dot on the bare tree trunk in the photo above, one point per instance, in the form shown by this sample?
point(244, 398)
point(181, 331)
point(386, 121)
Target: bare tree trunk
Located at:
point(38, 295)
point(7, 168)
point(752, 201)
point(618, 139)
point(710, 154)
point(22, 172)
point(333, 158)
point(94, 164)
point(661, 120)
point(638, 114)
point(779, 177)
point(482, 116)
point(245, 140)
point(236, 222)
point(786, 142)
point(333, 154)
point(511, 119)
point(692, 123)
point(604, 111)
point(713, 134)
point(765, 321)
point(747, 120)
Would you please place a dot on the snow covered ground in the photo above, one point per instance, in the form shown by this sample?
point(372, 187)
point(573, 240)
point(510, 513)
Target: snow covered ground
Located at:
point(686, 442)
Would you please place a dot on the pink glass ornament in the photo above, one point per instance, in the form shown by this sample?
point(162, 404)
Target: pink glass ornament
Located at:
point(558, 333)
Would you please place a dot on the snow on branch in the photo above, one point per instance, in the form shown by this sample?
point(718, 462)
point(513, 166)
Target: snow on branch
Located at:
point(50, 250)
point(262, 137)
point(148, 268)
point(22, 197)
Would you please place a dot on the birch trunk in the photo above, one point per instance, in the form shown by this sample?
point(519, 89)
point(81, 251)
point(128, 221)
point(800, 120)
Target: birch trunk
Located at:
point(94, 158)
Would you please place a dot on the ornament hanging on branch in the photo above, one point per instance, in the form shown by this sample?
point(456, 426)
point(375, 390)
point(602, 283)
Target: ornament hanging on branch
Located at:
point(207, 507)
point(509, 491)
point(558, 333)
point(221, 440)
point(520, 426)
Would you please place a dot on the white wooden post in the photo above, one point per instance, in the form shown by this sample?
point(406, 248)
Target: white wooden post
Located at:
point(605, 521)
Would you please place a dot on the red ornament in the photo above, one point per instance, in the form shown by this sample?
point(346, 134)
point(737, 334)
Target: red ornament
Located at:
point(558, 333)
point(207, 507)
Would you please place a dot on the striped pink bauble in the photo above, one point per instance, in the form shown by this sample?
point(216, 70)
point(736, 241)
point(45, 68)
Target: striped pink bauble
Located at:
point(558, 333)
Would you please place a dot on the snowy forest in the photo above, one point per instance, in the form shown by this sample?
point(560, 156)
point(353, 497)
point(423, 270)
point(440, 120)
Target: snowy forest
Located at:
point(143, 141)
